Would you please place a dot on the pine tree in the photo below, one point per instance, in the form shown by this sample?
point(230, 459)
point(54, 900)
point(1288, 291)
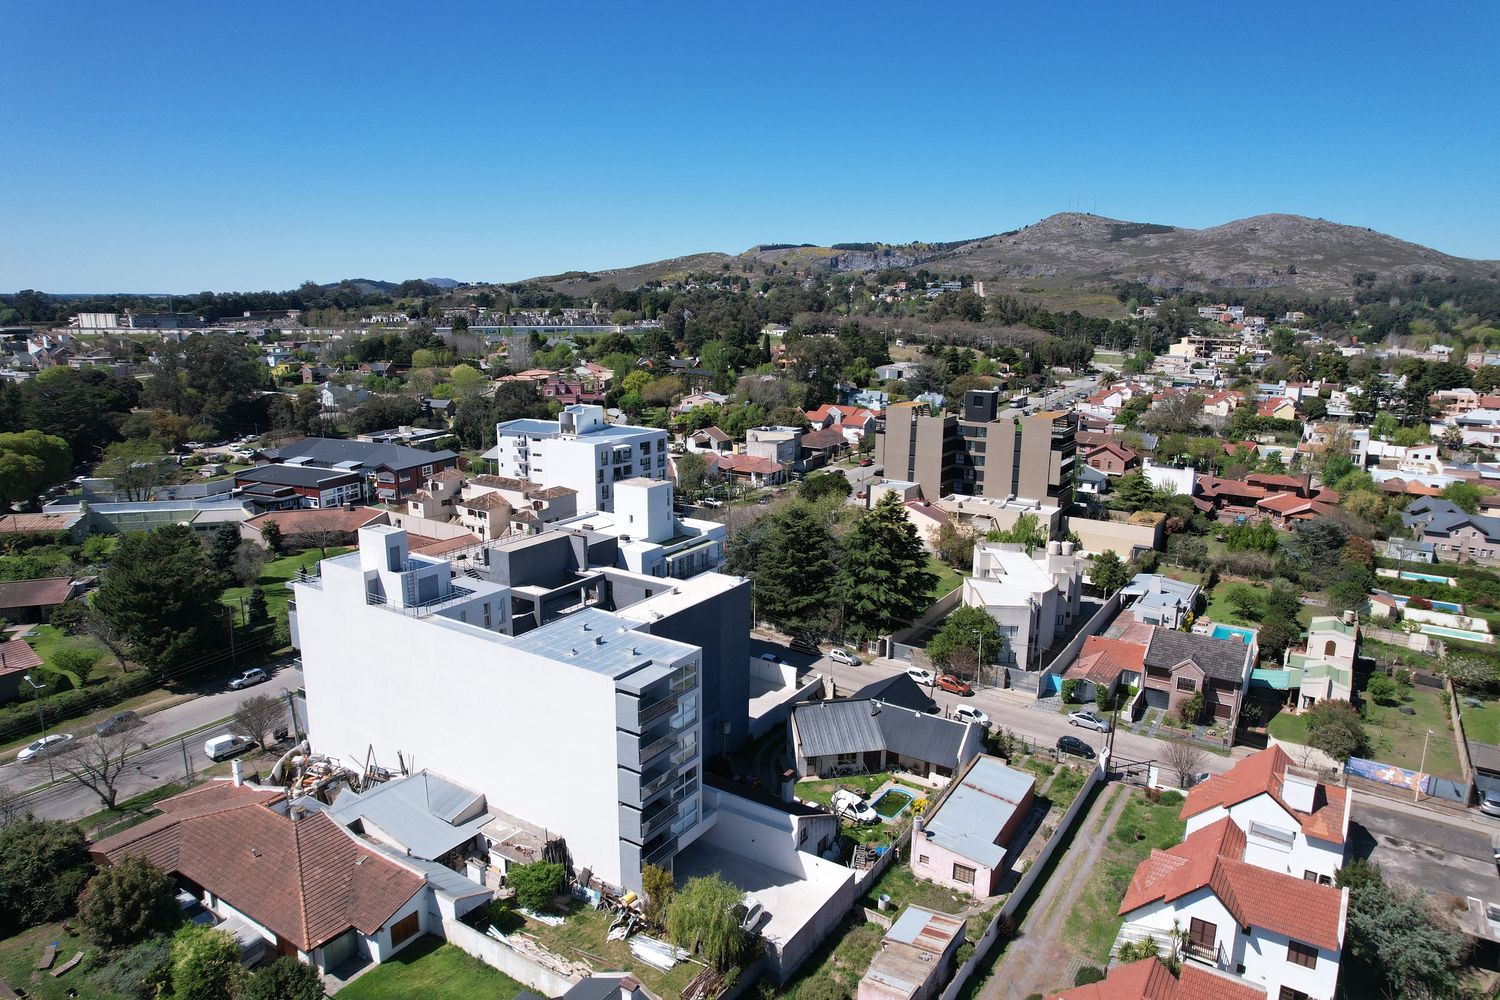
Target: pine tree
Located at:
point(161, 594)
point(226, 542)
point(884, 582)
point(794, 575)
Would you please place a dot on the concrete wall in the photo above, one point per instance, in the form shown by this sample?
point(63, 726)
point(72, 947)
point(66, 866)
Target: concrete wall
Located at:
point(1064, 659)
point(499, 955)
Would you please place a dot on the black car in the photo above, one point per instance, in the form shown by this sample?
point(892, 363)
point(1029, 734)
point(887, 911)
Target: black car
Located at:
point(1075, 746)
point(118, 723)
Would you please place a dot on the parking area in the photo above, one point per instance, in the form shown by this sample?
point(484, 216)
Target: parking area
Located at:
point(1437, 857)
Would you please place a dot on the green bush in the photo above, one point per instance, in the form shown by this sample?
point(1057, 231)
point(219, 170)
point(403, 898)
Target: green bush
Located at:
point(43, 865)
point(137, 972)
point(127, 902)
point(1070, 691)
point(1088, 974)
point(536, 884)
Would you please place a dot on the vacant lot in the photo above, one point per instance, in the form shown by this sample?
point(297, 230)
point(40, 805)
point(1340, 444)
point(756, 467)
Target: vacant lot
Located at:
point(429, 968)
point(275, 574)
point(1482, 724)
point(582, 938)
point(1397, 738)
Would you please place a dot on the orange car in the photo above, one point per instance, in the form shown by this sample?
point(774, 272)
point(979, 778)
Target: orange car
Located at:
point(953, 685)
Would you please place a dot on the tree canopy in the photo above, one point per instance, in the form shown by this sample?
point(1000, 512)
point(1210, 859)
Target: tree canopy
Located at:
point(161, 593)
point(884, 581)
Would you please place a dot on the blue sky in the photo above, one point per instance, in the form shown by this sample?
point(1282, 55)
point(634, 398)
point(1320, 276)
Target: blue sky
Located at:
point(186, 146)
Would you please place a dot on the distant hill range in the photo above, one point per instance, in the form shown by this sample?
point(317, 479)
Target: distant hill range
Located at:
point(1077, 250)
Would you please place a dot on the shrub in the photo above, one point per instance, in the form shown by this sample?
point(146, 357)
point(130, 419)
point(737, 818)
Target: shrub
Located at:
point(1088, 974)
point(657, 885)
point(284, 979)
point(127, 902)
point(536, 884)
point(43, 865)
point(1070, 691)
point(1382, 690)
point(702, 919)
point(1335, 728)
point(205, 963)
point(1191, 710)
point(137, 972)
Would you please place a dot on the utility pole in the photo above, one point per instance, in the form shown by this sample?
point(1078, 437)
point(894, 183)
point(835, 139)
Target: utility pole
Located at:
point(187, 768)
point(231, 633)
point(291, 704)
point(41, 723)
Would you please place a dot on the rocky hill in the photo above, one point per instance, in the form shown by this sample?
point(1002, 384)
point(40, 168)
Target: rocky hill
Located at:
point(1078, 250)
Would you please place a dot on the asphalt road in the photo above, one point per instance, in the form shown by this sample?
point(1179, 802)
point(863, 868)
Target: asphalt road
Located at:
point(150, 768)
point(1429, 851)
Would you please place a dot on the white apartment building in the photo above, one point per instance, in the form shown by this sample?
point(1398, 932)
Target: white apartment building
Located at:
point(1033, 599)
point(1293, 823)
point(650, 538)
point(587, 726)
point(581, 451)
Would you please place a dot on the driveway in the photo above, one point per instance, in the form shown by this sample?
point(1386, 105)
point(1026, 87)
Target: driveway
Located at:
point(1431, 853)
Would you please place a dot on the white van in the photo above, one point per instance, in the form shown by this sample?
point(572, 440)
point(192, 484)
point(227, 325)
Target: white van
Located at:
point(227, 745)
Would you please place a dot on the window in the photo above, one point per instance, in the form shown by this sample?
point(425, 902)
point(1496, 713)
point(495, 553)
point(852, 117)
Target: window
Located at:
point(1301, 954)
point(426, 470)
point(404, 928)
point(1309, 876)
point(1186, 684)
point(1203, 934)
point(1287, 993)
point(963, 874)
point(1329, 648)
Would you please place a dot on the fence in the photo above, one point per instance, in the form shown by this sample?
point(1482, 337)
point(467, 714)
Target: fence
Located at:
point(498, 955)
point(1024, 887)
point(1065, 657)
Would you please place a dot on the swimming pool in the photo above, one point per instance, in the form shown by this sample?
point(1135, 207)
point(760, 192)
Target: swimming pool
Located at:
point(1407, 574)
point(1457, 633)
point(1452, 607)
point(893, 802)
point(1240, 635)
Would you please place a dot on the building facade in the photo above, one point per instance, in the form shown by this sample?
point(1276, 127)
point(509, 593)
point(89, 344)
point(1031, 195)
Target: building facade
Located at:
point(581, 451)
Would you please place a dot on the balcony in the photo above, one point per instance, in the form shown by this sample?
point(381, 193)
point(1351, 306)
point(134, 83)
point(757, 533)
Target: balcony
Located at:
point(650, 713)
point(654, 822)
point(660, 853)
point(1208, 953)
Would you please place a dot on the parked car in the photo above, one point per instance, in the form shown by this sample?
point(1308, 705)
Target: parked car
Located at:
point(865, 463)
point(748, 912)
point(249, 678)
point(1489, 802)
point(923, 677)
point(118, 723)
point(1088, 720)
point(226, 746)
point(711, 502)
point(953, 685)
point(853, 806)
point(843, 656)
point(773, 658)
point(44, 747)
point(1075, 746)
point(966, 713)
point(802, 644)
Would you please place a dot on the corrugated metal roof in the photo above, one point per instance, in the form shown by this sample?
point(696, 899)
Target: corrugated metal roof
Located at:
point(828, 728)
point(418, 812)
point(972, 815)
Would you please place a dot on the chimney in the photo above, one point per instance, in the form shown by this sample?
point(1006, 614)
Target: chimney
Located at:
point(238, 771)
point(1299, 791)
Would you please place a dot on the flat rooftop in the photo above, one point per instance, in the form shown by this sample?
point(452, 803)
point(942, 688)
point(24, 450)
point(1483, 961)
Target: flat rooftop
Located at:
point(602, 642)
point(791, 900)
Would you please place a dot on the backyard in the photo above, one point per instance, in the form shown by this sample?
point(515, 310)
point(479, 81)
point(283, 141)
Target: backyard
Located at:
point(581, 937)
point(18, 956)
point(430, 968)
point(1482, 724)
point(949, 578)
point(277, 572)
point(1397, 737)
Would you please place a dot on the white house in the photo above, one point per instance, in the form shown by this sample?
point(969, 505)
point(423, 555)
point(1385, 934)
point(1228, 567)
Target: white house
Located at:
point(1033, 599)
point(1280, 932)
point(1172, 480)
point(581, 451)
point(1293, 823)
point(651, 539)
point(588, 725)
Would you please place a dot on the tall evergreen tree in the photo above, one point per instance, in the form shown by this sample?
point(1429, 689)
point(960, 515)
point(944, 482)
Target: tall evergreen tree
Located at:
point(161, 594)
point(795, 571)
point(884, 581)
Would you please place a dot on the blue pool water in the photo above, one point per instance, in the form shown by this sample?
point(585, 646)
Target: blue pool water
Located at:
point(1457, 633)
point(1451, 607)
point(1241, 635)
point(1407, 574)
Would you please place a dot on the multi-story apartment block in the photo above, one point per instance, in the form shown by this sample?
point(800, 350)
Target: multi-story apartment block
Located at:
point(566, 694)
point(1033, 599)
point(581, 451)
point(650, 538)
point(986, 451)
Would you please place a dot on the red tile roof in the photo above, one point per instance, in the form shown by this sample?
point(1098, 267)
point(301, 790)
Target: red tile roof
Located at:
point(1102, 660)
point(17, 655)
point(1150, 979)
point(853, 416)
point(441, 546)
point(294, 522)
point(35, 593)
point(828, 437)
point(27, 523)
point(1212, 858)
point(746, 465)
point(307, 880)
point(1264, 773)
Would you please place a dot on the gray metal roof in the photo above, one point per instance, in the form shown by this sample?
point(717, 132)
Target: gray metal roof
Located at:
point(603, 642)
point(972, 815)
point(293, 475)
point(365, 454)
point(419, 812)
point(1221, 659)
point(827, 728)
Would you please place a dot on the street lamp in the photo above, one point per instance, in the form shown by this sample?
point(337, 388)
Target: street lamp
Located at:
point(41, 721)
point(1416, 793)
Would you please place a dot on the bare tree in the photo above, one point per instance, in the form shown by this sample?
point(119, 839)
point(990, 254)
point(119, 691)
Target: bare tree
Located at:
point(1186, 759)
point(322, 539)
point(260, 715)
point(249, 559)
point(95, 625)
point(97, 763)
point(11, 808)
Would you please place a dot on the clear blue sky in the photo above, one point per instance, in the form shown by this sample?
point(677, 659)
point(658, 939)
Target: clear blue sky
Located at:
point(186, 146)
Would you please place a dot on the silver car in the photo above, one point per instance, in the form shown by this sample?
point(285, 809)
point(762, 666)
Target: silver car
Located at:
point(1088, 720)
point(843, 656)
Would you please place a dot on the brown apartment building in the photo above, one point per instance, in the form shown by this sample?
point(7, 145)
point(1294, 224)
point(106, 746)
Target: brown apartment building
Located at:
point(984, 451)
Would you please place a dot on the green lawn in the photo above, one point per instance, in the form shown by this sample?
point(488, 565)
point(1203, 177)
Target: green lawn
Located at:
point(18, 957)
point(48, 640)
point(1143, 826)
point(822, 791)
point(430, 968)
point(1482, 724)
point(948, 578)
point(1288, 727)
point(1397, 739)
point(277, 572)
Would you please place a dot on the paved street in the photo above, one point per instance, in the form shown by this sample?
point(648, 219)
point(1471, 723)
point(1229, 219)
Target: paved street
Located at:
point(1430, 850)
point(154, 767)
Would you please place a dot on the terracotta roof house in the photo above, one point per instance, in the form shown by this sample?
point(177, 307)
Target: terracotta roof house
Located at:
point(292, 878)
point(1285, 509)
point(1222, 403)
point(33, 600)
point(1280, 408)
point(1278, 483)
point(1293, 822)
point(1102, 662)
point(1151, 979)
point(1112, 458)
point(853, 421)
point(710, 439)
point(754, 469)
point(1275, 931)
point(344, 521)
point(16, 657)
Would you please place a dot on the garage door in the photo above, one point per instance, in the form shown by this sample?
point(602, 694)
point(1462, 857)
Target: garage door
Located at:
point(1157, 698)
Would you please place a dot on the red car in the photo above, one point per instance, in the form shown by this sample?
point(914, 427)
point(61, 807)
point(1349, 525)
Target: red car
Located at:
point(865, 463)
point(953, 685)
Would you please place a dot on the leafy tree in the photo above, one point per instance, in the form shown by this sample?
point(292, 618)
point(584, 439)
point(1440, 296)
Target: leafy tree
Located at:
point(137, 468)
point(141, 972)
point(380, 413)
point(1393, 939)
point(467, 381)
point(1027, 531)
point(1335, 728)
point(968, 631)
point(161, 594)
point(692, 474)
point(1108, 573)
point(702, 919)
point(1246, 603)
point(1465, 495)
point(794, 571)
point(43, 865)
point(271, 533)
point(1382, 690)
point(884, 578)
point(536, 884)
point(823, 484)
point(257, 606)
point(955, 543)
point(75, 662)
point(205, 963)
point(84, 407)
point(1134, 491)
point(284, 979)
point(126, 902)
point(221, 552)
point(659, 888)
point(30, 461)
